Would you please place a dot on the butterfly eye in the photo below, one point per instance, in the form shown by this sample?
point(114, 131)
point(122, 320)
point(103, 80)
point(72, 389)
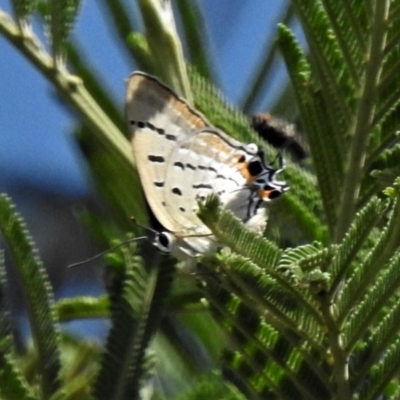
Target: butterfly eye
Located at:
point(163, 241)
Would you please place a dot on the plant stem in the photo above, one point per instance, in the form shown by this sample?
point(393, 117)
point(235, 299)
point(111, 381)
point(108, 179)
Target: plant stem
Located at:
point(363, 119)
point(339, 366)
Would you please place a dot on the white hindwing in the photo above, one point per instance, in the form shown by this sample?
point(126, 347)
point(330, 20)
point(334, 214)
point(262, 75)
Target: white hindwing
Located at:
point(181, 159)
point(158, 119)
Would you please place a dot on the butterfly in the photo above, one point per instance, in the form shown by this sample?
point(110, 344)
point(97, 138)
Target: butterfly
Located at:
point(182, 159)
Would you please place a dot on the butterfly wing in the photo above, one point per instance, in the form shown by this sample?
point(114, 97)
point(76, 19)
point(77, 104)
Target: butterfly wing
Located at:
point(209, 162)
point(181, 159)
point(158, 119)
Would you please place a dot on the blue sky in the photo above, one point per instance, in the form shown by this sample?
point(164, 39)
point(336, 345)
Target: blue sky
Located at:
point(35, 146)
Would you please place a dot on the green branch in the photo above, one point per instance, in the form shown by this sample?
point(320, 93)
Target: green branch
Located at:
point(363, 120)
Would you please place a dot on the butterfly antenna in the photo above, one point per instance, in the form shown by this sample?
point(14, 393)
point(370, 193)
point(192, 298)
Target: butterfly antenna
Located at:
point(88, 260)
point(289, 141)
point(280, 158)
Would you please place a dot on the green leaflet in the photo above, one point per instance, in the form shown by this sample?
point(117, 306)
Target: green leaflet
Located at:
point(137, 297)
point(61, 18)
point(37, 292)
point(23, 9)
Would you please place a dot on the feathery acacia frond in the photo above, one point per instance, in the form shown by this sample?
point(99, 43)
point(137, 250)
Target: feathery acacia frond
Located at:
point(37, 292)
point(61, 19)
point(135, 310)
point(317, 318)
point(23, 10)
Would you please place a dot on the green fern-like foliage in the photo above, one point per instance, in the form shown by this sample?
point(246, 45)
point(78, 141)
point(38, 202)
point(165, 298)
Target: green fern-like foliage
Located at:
point(352, 283)
point(61, 21)
point(40, 304)
point(297, 298)
point(23, 10)
point(310, 310)
point(135, 310)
